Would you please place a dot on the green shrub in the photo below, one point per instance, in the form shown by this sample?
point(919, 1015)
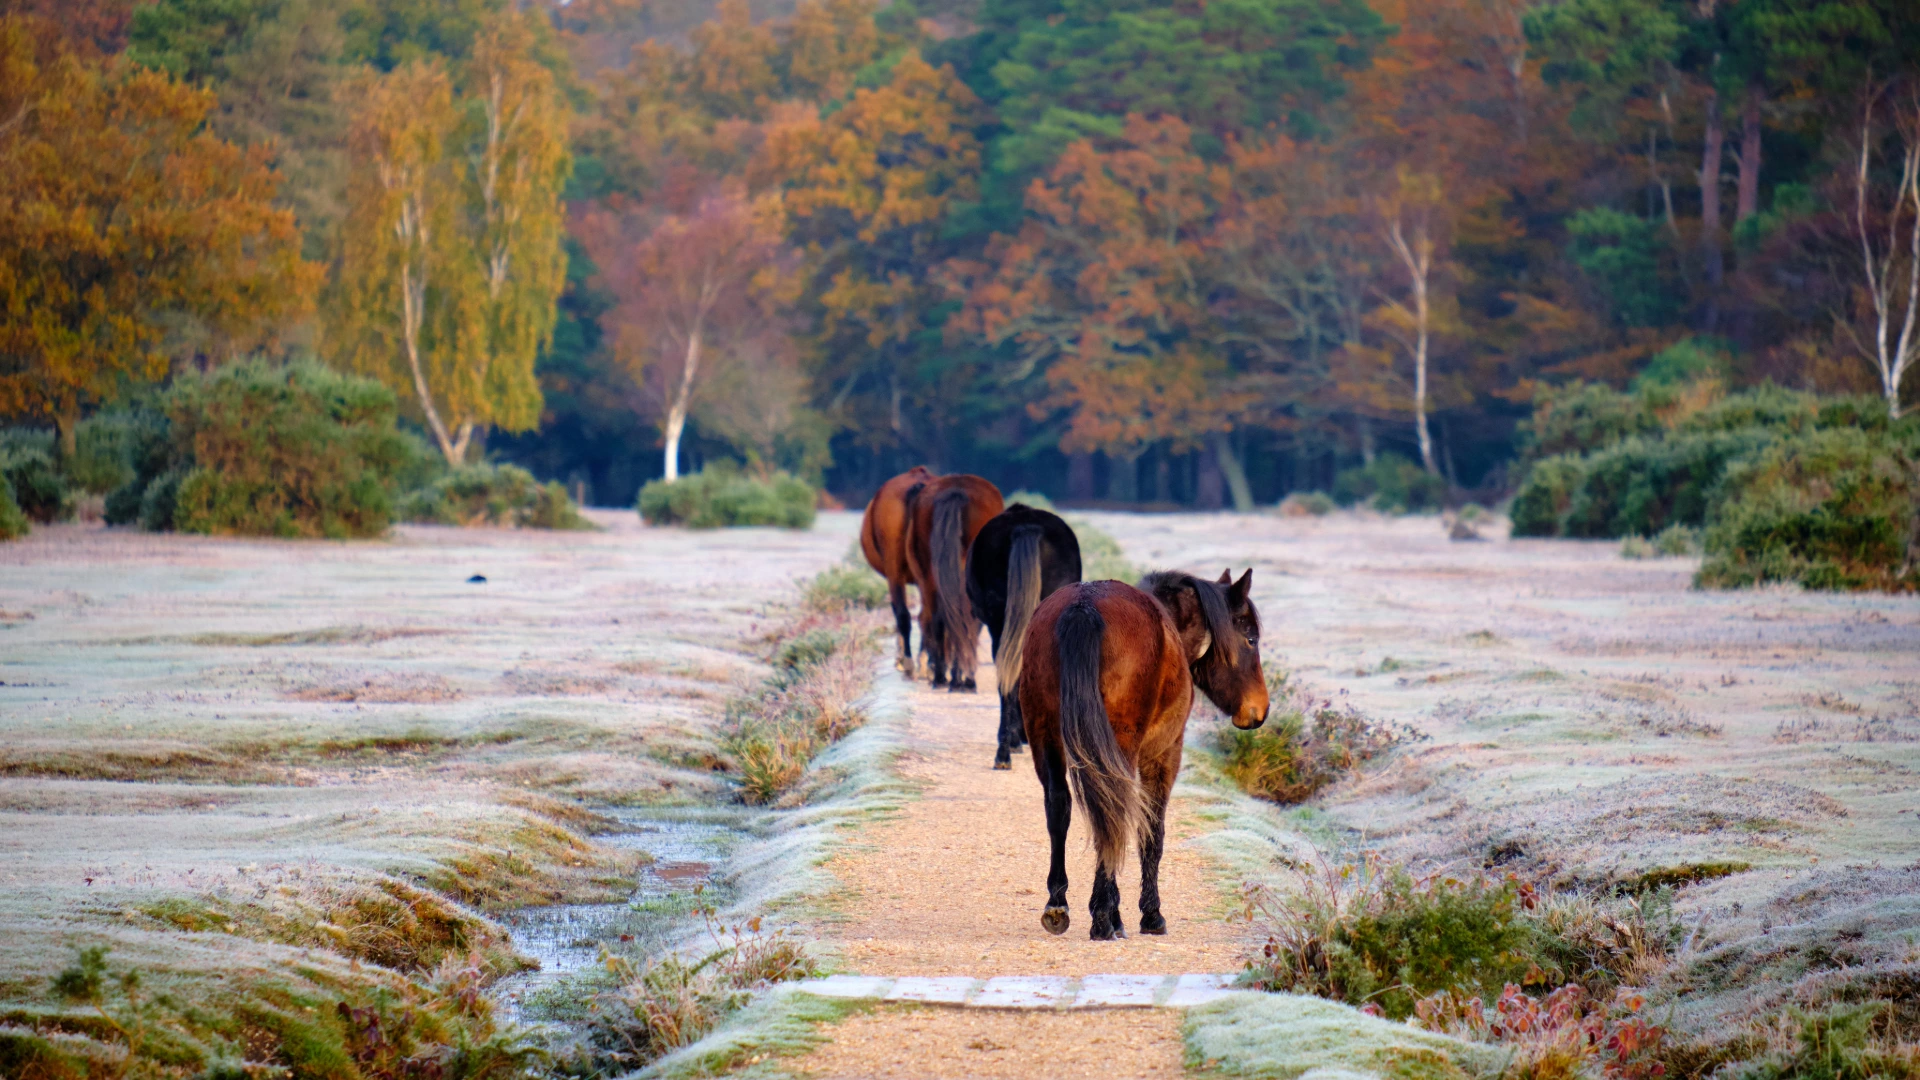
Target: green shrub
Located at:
point(1544, 496)
point(1641, 486)
point(257, 449)
point(1637, 547)
point(1375, 934)
point(1688, 360)
point(1579, 417)
point(1678, 540)
point(1031, 498)
point(110, 446)
point(486, 494)
point(13, 520)
point(1834, 510)
point(719, 497)
point(1391, 485)
point(39, 489)
point(844, 586)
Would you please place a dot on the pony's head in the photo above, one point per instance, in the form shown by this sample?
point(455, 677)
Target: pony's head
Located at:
point(1220, 629)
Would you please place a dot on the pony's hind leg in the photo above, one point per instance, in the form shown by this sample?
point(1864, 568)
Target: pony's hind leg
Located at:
point(1104, 906)
point(1012, 729)
point(903, 623)
point(1156, 784)
point(1059, 802)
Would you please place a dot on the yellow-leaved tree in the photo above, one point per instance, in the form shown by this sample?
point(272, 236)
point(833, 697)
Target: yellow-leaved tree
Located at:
point(452, 261)
point(121, 219)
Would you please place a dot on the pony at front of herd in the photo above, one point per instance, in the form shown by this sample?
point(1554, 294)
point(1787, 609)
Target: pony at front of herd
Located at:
point(1107, 682)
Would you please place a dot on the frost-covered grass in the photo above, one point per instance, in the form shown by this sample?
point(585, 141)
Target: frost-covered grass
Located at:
point(279, 777)
point(1283, 1036)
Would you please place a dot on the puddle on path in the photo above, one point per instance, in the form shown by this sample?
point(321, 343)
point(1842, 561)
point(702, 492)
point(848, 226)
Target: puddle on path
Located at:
point(687, 849)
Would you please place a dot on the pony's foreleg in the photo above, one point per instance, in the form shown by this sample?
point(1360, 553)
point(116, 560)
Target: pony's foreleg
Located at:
point(1052, 768)
point(1156, 785)
point(902, 622)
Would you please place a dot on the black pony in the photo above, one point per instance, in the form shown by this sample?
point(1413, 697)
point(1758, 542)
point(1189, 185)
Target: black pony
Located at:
point(1019, 558)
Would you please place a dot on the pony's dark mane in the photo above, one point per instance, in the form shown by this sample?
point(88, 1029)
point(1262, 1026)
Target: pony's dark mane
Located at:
point(1213, 610)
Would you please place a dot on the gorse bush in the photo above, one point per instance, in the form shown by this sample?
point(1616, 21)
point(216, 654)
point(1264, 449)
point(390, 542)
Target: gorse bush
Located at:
point(488, 494)
point(719, 497)
point(1374, 934)
point(255, 449)
point(27, 466)
point(1770, 484)
point(1392, 485)
point(1307, 504)
point(1837, 509)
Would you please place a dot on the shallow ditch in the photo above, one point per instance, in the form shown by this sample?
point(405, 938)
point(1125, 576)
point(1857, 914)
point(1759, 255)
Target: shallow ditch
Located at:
point(689, 849)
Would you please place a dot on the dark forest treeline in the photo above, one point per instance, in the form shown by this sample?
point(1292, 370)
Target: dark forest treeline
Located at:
point(1195, 253)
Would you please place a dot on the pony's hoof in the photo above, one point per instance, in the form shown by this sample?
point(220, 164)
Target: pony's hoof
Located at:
point(1112, 933)
point(1003, 762)
point(939, 681)
point(1055, 920)
point(1155, 923)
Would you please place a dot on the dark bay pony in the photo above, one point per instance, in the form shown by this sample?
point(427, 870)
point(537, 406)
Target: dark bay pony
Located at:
point(1108, 682)
point(1019, 559)
point(883, 540)
point(943, 516)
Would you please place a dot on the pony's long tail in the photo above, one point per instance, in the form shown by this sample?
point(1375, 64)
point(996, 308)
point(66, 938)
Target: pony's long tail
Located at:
point(1023, 595)
point(948, 548)
point(1105, 782)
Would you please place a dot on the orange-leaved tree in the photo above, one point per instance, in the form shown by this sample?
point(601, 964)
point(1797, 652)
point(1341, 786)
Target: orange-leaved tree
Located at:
point(695, 294)
point(120, 214)
point(866, 189)
point(1106, 287)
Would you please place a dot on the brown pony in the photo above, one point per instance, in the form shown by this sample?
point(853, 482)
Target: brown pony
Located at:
point(883, 540)
point(1109, 677)
point(943, 516)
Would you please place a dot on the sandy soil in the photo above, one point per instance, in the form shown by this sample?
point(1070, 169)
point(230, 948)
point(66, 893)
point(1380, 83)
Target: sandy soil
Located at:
point(996, 1043)
point(955, 884)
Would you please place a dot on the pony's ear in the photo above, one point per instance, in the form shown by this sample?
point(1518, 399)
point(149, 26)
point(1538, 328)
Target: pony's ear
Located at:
point(1237, 594)
point(1226, 576)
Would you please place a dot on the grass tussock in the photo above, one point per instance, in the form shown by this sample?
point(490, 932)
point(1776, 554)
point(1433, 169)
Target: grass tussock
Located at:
point(1295, 755)
point(822, 668)
point(1567, 1034)
point(846, 586)
point(381, 920)
point(670, 1002)
point(1374, 934)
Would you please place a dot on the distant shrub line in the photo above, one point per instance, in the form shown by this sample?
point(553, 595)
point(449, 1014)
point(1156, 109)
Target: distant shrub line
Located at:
point(721, 496)
point(256, 449)
point(1777, 485)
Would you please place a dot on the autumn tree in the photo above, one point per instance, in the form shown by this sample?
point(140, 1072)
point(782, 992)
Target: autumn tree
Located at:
point(697, 295)
point(1106, 289)
point(122, 216)
point(451, 255)
point(866, 189)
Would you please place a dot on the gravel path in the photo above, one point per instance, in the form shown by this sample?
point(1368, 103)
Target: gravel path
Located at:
point(953, 886)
